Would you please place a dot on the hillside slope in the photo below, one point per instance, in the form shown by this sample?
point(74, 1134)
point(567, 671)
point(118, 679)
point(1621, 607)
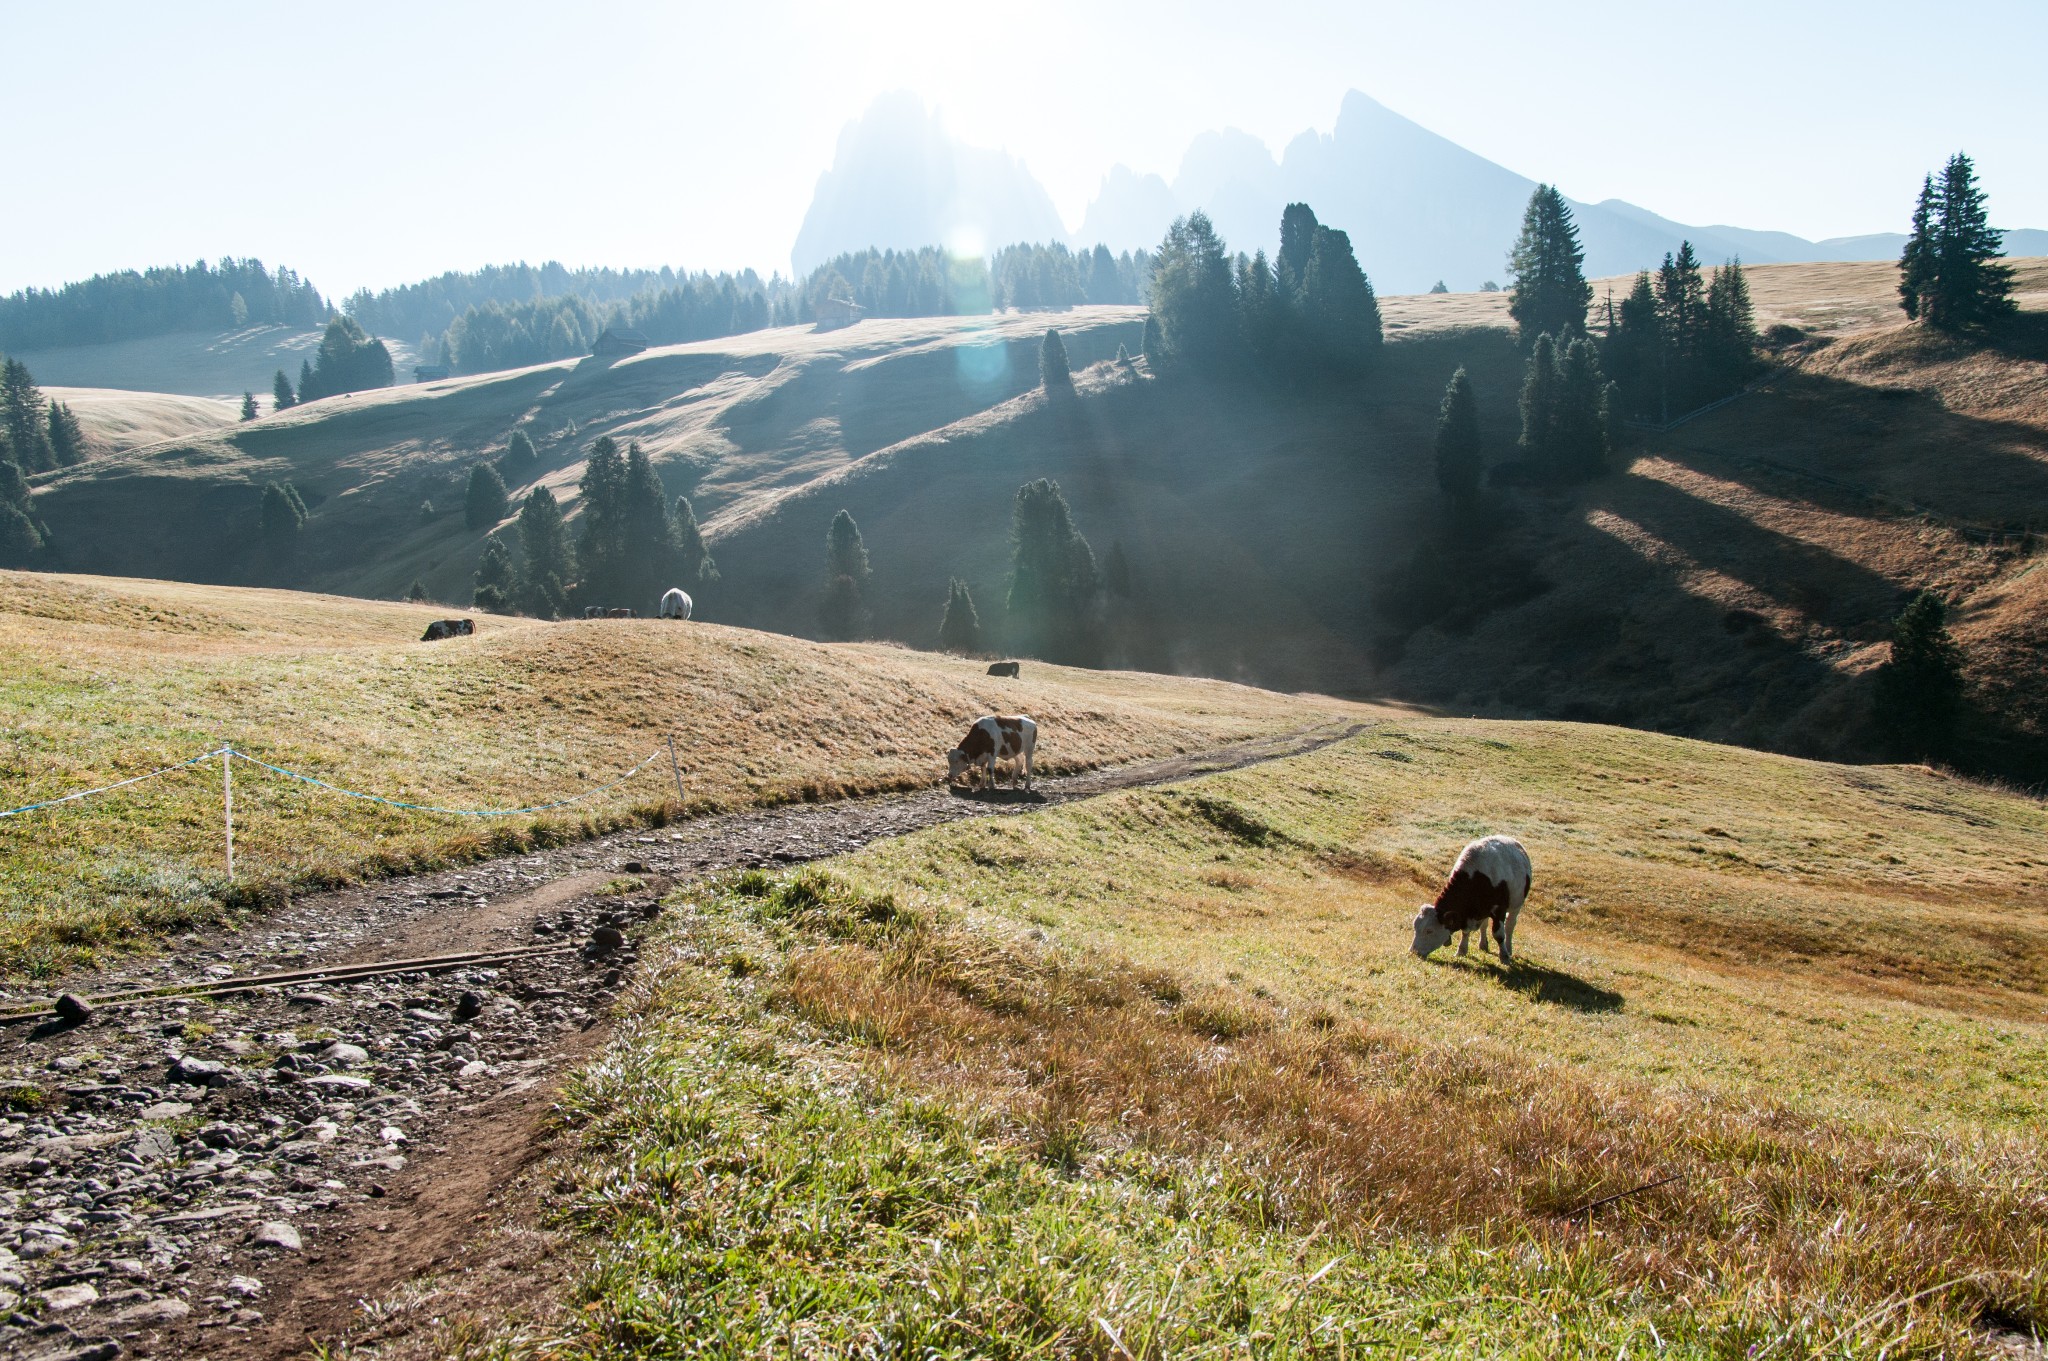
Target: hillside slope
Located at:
point(105, 679)
point(223, 364)
point(725, 421)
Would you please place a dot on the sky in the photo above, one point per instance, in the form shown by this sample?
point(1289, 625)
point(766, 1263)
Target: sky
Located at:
point(377, 143)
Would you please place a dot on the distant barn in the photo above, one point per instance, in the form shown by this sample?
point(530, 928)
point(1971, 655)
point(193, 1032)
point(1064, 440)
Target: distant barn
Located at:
point(429, 373)
point(619, 340)
point(834, 313)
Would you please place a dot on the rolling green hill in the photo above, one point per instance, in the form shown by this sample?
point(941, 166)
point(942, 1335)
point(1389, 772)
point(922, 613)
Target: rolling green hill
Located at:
point(1734, 581)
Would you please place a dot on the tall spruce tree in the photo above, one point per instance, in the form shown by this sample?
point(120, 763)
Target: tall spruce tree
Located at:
point(348, 360)
point(1635, 355)
point(1917, 268)
point(521, 458)
point(692, 563)
point(1053, 373)
point(1261, 314)
point(650, 553)
point(1682, 323)
point(1054, 582)
point(22, 420)
point(496, 582)
point(22, 535)
point(249, 412)
point(281, 395)
point(1194, 299)
point(1729, 346)
point(1298, 227)
point(67, 437)
point(1920, 688)
point(1548, 294)
point(1577, 446)
point(280, 517)
point(1459, 463)
point(601, 552)
point(1339, 313)
point(960, 626)
point(844, 612)
point(1539, 402)
point(484, 501)
point(547, 562)
point(1952, 260)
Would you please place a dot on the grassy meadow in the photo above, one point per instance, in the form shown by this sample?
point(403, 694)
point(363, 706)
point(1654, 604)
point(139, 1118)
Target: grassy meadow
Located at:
point(102, 679)
point(1155, 1075)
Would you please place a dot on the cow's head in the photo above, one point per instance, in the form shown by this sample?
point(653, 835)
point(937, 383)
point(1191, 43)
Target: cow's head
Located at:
point(1430, 933)
point(958, 763)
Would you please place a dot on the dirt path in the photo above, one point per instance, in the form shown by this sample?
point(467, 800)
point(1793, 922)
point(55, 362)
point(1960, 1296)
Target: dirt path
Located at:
point(378, 1121)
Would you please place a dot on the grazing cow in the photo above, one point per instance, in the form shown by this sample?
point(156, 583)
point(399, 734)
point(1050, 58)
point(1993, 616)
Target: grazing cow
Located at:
point(618, 614)
point(1487, 887)
point(593, 611)
point(1003, 669)
point(676, 604)
point(990, 740)
point(447, 628)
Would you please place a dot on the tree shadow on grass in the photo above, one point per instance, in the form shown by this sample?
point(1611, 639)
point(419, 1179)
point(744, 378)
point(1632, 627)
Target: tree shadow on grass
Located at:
point(1541, 983)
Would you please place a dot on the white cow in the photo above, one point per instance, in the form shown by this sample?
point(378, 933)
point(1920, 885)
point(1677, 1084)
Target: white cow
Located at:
point(1487, 887)
point(676, 604)
point(993, 739)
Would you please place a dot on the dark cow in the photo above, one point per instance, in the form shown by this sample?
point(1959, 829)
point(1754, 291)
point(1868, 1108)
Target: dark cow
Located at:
point(593, 611)
point(618, 614)
point(1003, 668)
point(447, 628)
point(993, 739)
point(1487, 887)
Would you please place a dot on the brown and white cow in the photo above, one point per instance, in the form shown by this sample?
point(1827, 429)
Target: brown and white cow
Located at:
point(1487, 887)
point(1010, 737)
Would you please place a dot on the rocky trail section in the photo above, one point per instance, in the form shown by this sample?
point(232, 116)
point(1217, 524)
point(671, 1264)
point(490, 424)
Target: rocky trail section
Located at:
point(233, 1175)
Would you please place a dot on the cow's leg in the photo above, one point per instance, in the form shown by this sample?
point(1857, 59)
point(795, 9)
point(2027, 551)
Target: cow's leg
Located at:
point(1465, 942)
point(1507, 940)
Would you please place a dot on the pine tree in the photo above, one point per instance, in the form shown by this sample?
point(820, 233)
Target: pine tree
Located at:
point(547, 564)
point(496, 581)
point(1053, 372)
point(1549, 293)
point(1054, 583)
point(1116, 571)
point(1148, 342)
point(1960, 283)
point(1635, 355)
point(22, 420)
point(485, 502)
point(1193, 299)
point(417, 592)
point(844, 612)
point(960, 626)
point(1539, 401)
point(21, 535)
point(521, 458)
point(1578, 422)
point(1729, 353)
point(693, 563)
point(348, 360)
point(1439, 287)
point(1682, 323)
point(1261, 315)
point(281, 515)
point(1339, 313)
point(650, 552)
point(1917, 268)
point(306, 392)
point(601, 551)
point(281, 396)
point(248, 406)
point(1298, 227)
point(67, 437)
point(1458, 459)
point(1920, 689)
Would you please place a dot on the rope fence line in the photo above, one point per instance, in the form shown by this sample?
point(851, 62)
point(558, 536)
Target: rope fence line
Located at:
point(227, 754)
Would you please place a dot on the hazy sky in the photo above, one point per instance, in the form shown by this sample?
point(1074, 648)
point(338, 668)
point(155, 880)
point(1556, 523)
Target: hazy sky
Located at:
point(373, 143)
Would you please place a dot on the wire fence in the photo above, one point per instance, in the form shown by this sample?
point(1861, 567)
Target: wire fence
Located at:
point(227, 754)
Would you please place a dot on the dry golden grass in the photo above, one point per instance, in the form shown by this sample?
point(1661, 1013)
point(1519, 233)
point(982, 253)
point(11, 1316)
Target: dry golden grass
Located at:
point(101, 679)
point(115, 420)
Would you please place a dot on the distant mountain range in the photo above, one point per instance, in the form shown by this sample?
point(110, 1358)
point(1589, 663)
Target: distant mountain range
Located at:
point(1419, 207)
